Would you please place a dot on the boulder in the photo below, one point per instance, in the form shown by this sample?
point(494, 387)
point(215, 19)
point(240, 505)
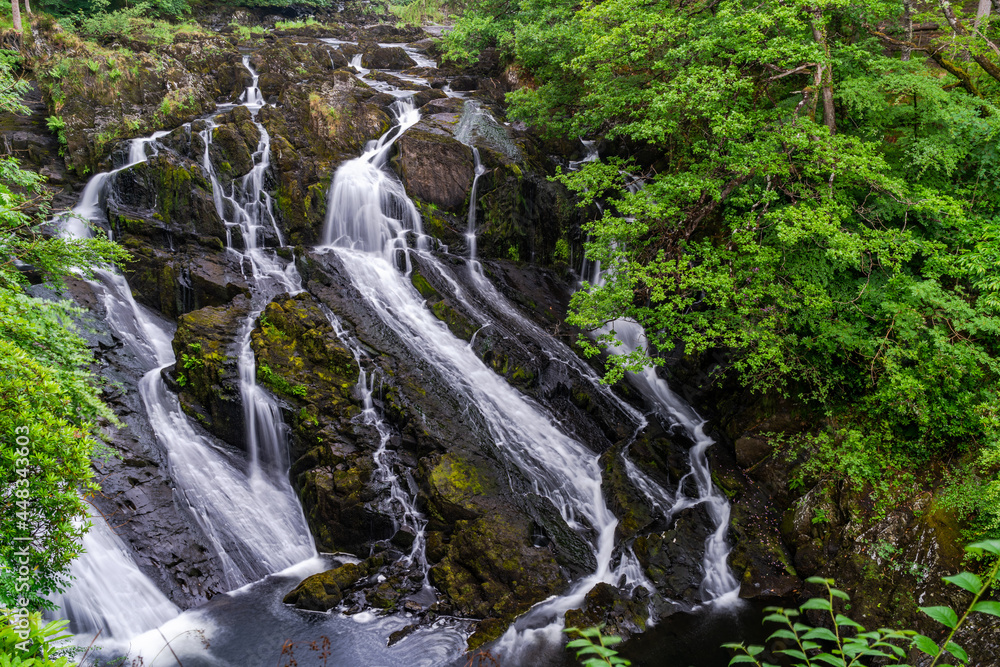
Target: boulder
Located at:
point(386, 57)
point(435, 168)
point(206, 370)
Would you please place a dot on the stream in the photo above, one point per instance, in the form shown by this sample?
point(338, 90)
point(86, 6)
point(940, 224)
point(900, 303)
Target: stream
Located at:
point(246, 505)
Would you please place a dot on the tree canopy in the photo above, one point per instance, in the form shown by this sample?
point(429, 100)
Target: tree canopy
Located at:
point(818, 200)
point(50, 409)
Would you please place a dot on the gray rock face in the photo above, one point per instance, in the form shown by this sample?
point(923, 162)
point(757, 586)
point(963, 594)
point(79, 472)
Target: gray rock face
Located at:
point(435, 168)
point(138, 498)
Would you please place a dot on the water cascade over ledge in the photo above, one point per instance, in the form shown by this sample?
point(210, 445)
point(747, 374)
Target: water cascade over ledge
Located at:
point(246, 506)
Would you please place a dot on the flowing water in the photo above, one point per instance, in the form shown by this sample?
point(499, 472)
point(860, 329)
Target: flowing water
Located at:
point(719, 587)
point(246, 506)
point(254, 522)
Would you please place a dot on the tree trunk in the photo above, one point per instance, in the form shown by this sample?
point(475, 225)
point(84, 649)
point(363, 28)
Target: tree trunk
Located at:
point(988, 65)
point(908, 27)
point(27, 6)
point(982, 12)
point(15, 8)
point(824, 72)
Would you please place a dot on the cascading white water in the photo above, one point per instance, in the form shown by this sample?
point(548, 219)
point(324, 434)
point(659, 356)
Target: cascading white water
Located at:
point(365, 230)
point(367, 208)
point(401, 506)
point(132, 605)
point(719, 586)
point(254, 522)
point(465, 132)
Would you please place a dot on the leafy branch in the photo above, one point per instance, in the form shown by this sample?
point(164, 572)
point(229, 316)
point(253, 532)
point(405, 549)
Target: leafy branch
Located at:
point(848, 643)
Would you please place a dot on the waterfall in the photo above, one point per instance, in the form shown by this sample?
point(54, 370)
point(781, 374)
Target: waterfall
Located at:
point(253, 520)
point(401, 506)
point(465, 132)
point(364, 227)
point(367, 208)
point(719, 586)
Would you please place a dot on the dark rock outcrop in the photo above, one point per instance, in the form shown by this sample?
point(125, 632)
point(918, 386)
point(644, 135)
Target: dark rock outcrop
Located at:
point(206, 346)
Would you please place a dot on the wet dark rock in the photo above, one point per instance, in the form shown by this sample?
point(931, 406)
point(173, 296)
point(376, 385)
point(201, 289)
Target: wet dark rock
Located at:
point(435, 168)
point(389, 57)
point(392, 34)
point(166, 195)
point(673, 559)
point(464, 83)
point(191, 277)
point(425, 97)
point(611, 608)
point(206, 346)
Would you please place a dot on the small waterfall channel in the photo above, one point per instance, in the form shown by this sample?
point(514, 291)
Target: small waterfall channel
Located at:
point(248, 509)
point(369, 220)
point(719, 586)
point(253, 520)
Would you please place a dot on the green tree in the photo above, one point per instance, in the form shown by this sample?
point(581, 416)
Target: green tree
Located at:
point(49, 408)
point(811, 204)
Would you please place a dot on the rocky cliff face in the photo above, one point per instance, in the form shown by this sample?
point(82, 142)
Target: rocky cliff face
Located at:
point(493, 546)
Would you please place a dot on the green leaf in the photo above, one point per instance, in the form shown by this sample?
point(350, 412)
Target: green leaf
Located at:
point(822, 634)
point(987, 607)
point(966, 580)
point(992, 546)
point(817, 603)
point(957, 651)
point(795, 653)
point(944, 615)
point(742, 659)
point(845, 621)
point(926, 645)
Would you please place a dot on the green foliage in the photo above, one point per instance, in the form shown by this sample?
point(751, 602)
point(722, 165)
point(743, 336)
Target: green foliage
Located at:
point(58, 125)
point(36, 645)
point(278, 383)
point(420, 12)
point(99, 22)
point(594, 648)
point(846, 643)
point(561, 252)
point(843, 257)
point(49, 409)
point(291, 25)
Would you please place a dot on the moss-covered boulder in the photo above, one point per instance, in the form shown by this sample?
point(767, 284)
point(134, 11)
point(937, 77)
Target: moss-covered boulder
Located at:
point(301, 359)
point(324, 591)
point(164, 198)
point(435, 168)
point(206, 370)
point(234, 141)
point(494, 572)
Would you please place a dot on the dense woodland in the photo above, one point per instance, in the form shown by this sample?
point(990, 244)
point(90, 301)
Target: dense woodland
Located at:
point(802, 196)
point(817, 200)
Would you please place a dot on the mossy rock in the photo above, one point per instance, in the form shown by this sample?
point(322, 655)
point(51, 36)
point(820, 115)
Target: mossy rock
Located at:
point(493, 571)
point(206, 368)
